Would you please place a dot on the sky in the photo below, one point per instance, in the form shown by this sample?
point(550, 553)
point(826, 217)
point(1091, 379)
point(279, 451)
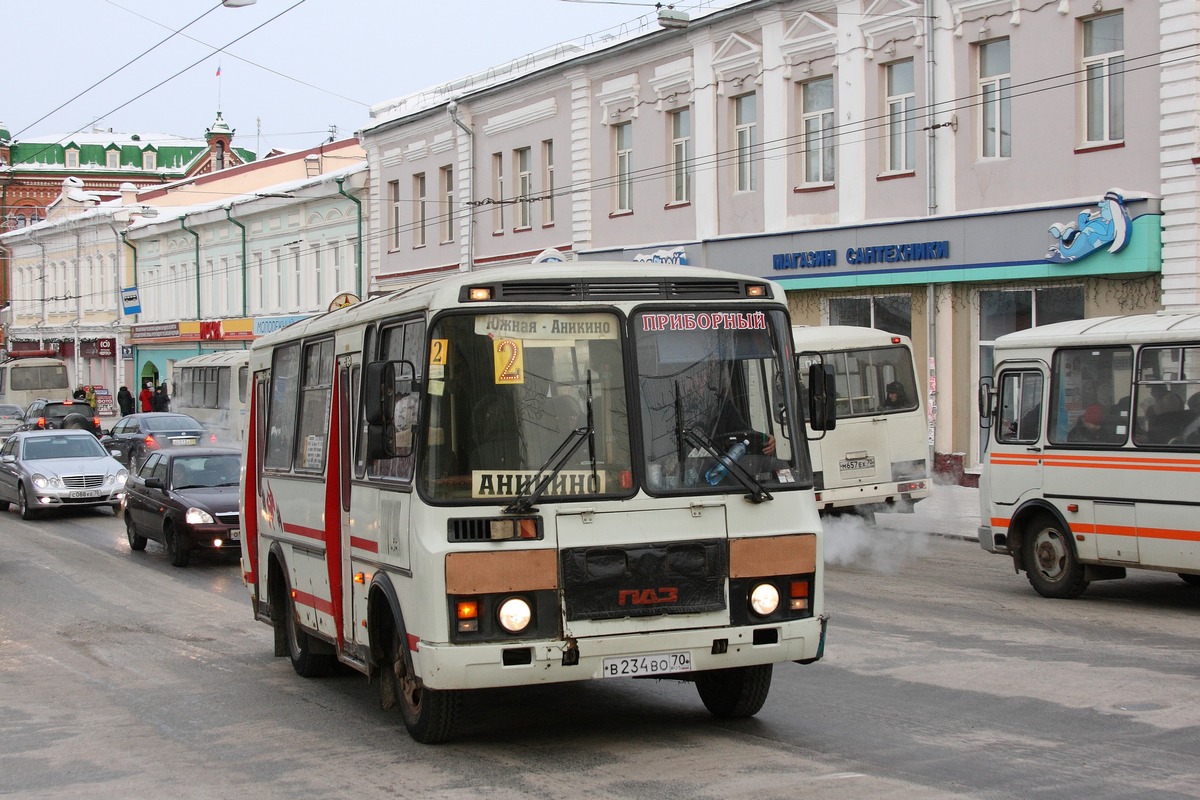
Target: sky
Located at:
point(297, 68)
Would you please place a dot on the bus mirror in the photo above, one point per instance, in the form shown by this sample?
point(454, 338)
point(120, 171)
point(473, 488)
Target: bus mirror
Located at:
point(987, 402)
point(822, 397)
point(379, 392)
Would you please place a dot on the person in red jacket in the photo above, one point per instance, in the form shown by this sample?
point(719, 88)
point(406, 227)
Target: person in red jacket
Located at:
point(146, 396)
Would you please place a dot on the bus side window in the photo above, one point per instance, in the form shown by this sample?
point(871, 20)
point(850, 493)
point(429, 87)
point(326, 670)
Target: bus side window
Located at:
point(1020, 407)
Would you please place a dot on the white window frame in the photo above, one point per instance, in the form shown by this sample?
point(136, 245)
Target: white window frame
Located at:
point(523, 169)
point(817, 132)
point(623, 159)
point(498, 193)
point(1103, 87)
point(548, 182)
point(71, 158)
point(112, 159)
point(679, 127)
point(149, 160)
point(420, 210)
point(995, 105)
point(901, 119)
point(394, 214)
point(745, 139)
point(448, 215)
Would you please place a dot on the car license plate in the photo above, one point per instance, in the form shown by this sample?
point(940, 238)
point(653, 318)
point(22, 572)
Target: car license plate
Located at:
point(83, 493)
point(854, 464)
point(183, 441)
point(656, 664)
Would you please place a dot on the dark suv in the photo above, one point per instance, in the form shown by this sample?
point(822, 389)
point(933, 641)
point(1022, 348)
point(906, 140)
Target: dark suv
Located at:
point(51, 414)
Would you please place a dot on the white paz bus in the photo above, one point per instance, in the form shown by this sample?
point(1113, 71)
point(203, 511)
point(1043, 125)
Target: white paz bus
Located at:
point(211, 388)
point(876, 458)
point(537, 474)
point(33, 375)
point(1093, 450)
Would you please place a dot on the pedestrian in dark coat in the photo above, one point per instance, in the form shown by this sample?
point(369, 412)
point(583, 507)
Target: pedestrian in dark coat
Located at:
point(160, 401)
point(125, 401)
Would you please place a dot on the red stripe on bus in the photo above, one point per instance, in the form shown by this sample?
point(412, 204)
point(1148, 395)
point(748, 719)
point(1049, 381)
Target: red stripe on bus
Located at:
point(312, 601)
point(333, 506)
point(359, 543)
point(413, 641)
point(250, 484)
point(1117, 530)
point(301, 530)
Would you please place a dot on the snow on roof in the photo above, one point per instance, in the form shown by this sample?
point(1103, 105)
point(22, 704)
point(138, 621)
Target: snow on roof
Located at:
point(123, 139)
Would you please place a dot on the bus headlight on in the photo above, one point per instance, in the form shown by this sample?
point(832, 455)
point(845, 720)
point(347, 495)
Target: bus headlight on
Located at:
point(764, 599)
point(514, 615)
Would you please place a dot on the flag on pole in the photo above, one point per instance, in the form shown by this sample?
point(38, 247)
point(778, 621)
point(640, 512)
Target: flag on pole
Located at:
point(218, 70)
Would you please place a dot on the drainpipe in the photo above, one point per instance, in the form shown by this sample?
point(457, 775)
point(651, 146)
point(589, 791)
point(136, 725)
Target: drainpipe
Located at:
point(358, 280)
point(45, 317)
point(245, 286)
point(183, 224)
point(452, 107)
point(78, 304)
point(930, 293)
point(117, 236)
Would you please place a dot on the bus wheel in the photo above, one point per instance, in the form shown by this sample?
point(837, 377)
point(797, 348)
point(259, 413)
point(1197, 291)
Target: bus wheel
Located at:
point(307, 663)
point(734, 693)
point(1050, 561)
point(430, 716)
point(136, 541)
point(1189, 579)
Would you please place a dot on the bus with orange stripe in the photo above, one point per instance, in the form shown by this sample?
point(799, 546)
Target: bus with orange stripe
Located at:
point(1093, 450)
point(538, 474)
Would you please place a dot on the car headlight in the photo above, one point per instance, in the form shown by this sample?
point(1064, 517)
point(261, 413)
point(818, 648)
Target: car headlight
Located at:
point(764, 599)
point(198, 516)
point(47, 481)
point(514, 614)
point(121, 477)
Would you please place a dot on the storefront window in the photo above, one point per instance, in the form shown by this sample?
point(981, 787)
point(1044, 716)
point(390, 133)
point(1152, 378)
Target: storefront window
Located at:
point(891, 313)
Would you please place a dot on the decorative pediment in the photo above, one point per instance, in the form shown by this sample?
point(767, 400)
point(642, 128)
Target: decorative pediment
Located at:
point(673, 83)
point(809, 37)
point(737, 59)
point(416, 150)
point(618, 99)
point(887, 21)
point(442, 142)
point(968, 11)
point(526, 115)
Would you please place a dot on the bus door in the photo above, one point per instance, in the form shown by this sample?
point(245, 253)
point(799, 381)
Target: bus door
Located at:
point(1015, 459)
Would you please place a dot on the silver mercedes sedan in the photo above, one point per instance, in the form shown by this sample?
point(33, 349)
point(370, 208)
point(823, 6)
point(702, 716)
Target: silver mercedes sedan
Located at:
point(44, 470)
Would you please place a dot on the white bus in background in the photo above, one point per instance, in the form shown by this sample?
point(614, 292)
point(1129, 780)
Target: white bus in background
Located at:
point(33, 375)
point(211, 388)
point(876, 458)
point(523, 476)
point(1094, 450)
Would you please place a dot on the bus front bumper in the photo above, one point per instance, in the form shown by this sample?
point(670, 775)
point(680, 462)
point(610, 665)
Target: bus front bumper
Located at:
point(533, 662)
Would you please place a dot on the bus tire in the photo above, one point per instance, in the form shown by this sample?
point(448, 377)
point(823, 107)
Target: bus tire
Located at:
point(136, 541)
point(734, 693)
point(306, 662)
point(1190, 579)
point(430, 716)
point(1051, 565)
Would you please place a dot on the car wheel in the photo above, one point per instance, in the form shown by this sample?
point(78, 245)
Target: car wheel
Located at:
point(430, 716)
point(308, 664)
point(136, 457)
point(27, 512)
point(1050, 561)
point(136, 542)
point(177, 550)
point(734, 693)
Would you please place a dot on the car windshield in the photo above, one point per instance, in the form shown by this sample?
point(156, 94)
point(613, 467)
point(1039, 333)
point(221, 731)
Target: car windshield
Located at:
point(11, 412)
point(205, 471)
point(48, 447)
point(171, 422)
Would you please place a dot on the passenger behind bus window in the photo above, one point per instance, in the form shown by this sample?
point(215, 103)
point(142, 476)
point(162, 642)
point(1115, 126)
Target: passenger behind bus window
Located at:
point(895, 396)
point(1090, 426)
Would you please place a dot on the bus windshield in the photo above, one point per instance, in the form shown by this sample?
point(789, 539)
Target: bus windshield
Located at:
point(713, 384)
point(508, 391)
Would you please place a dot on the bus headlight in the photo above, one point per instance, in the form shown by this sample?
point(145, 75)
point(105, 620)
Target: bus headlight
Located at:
point(514, 615)
point(198, 516)
point(764, 599)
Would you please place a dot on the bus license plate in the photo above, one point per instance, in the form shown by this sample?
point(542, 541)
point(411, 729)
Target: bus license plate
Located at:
point(83, 494)
point(656, 664)
point(853, 464)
